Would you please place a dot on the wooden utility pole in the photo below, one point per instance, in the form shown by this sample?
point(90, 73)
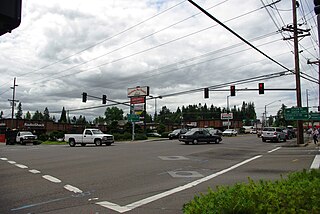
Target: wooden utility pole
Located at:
point(297, 70)
point(13, 101)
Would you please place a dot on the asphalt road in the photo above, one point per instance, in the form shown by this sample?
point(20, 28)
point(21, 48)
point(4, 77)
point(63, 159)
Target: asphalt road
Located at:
point(136, 177)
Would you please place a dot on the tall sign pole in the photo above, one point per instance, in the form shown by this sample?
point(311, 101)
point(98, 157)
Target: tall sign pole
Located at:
point(297, 70)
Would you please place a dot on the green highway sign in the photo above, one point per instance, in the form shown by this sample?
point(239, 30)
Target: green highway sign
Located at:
point(133, 118)
point(314, 116)
point(296, 113)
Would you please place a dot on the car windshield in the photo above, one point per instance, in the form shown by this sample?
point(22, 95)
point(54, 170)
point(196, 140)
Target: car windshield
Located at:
point(228, 130)
point(97, 131)
point(191, 132)
point(268, 129)
point(26, 133)
point(176, 131)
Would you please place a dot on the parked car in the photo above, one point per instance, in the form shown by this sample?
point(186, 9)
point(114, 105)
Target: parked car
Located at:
point(175, 134)
point(288, 134)
point(215, 131)
point(153, 134)
point(24, 137)
point(273, 134)
point(196, 136)
point(230, 132)
point(89, 136)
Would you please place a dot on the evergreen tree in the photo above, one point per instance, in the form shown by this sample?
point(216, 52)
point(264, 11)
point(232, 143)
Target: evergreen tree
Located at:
point(113, 114)
point(63, 117)
point(46, 115)
point(37, 116)
point(19, 112)
point(28, 116)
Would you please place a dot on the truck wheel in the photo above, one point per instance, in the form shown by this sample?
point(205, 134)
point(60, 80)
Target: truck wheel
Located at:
point(72, 142)
point(263, 140)
point(22, 143)
point(83, 144)
point(217, 141)
point(97, 142)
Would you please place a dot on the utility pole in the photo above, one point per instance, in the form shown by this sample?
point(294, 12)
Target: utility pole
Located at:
point(13, 101)
point(297, 70)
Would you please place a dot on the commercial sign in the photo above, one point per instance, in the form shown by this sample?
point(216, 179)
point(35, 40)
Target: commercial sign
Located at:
point(137, 100)
point(296, 113)
point(138, 91)
point(226, 116)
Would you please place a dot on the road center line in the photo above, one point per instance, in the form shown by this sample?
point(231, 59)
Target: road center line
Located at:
point(51, 178)
point(273, 150)
point(11, 162)
point(4, 159)
point(34, 171)
point(122, 209)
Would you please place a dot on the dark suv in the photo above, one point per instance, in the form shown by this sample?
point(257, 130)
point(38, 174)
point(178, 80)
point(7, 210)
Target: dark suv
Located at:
point(197, 135)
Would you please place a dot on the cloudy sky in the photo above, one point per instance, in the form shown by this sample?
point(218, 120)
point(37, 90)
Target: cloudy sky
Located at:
point(64, 48)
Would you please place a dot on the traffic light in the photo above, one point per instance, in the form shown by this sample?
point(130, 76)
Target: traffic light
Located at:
point(10, 15)
point(316, 6)
point(84, 97)
point(104, 99)
point(206, 93)
point(233, 90)
point(261, 88)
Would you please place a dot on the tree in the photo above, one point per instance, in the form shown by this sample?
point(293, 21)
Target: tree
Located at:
point(28, 116)
point(63, 117)
point(46, 115)
point(37, 116)
point(113, 114)
point(19, 112)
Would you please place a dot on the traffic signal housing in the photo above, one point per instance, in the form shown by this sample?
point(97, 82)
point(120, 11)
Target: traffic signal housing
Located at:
point(233, 90)
point(84, 97)
point(316, 6)
point(261, 88)
point(10, 15)
point(206, 93)
point(104, 99)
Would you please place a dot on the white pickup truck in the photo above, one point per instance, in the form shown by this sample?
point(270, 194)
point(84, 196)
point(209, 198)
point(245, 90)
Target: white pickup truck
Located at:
point(89, 136)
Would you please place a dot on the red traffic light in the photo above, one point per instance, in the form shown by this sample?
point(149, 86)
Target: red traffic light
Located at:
point(261, 88)
point(233, 90)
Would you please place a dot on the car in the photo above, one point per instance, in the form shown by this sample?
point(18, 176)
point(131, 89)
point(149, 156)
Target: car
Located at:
point(175, 134)
point(24, 137)
point(288, 134)
point(273, 134)
point(230, 132)
point(153, 134)
point(197, 135)
point(215, 131)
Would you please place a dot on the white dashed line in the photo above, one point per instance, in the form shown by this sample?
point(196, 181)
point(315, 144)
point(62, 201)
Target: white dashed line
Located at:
point(72, 189)
point(52, 179)
point(273, 150)
point(4, 159)
point(12, 162)
point(34, 171)
point(21, 166)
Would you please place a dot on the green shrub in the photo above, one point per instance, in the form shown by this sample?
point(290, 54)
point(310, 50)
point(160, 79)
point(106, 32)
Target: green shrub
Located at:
point(165, 134)
point(140, 137)
point(43, 137)
point(299, 193)
point(122, 137)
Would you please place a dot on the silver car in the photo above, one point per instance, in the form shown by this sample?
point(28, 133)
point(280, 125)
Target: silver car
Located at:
point(273, 134)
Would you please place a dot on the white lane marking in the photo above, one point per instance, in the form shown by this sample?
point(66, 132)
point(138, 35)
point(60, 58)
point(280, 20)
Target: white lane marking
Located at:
point(122, 209)
point(21, 166)
point(51, 178)
point(11, 162)
point(34, 171)
point(316, 162)
point(72, 189)
point(93, 199)
point(4, 159)
point(273, 150)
